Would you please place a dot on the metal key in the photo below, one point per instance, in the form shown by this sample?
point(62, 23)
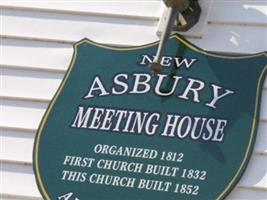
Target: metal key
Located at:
point(175, 6)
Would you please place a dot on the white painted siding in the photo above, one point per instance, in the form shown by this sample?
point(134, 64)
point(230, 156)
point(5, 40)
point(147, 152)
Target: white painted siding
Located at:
point(36, 49)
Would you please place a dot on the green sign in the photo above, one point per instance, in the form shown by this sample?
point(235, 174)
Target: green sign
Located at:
point(114, 131)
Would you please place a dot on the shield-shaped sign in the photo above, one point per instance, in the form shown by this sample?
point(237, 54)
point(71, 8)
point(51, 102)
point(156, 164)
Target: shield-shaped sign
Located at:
point(114, 131)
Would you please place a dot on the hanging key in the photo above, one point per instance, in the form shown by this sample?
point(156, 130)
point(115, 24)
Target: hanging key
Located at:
point(176, 8)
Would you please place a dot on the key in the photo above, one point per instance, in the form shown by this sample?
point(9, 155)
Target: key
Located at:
point(176, 7)
point(155, 66)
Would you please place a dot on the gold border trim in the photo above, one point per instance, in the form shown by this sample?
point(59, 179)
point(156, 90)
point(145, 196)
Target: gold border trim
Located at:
point(187, 44)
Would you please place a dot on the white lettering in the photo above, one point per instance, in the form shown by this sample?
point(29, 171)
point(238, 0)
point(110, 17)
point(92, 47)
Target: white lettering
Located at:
point(216, 95)
point(97, 86)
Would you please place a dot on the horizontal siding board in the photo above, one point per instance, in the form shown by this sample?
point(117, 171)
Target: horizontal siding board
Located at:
point(261, 144)
point(18, 197)
point(234, 39)
point(21, 114)
point(75, 27)
point(256, 173)
point(42, 56)
point(17, 145)
point(263, 106)
point(29, 84)
point(247, 194)
point(249, 12)
point(18, 179)
point(36, 54)
point(144, 9)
